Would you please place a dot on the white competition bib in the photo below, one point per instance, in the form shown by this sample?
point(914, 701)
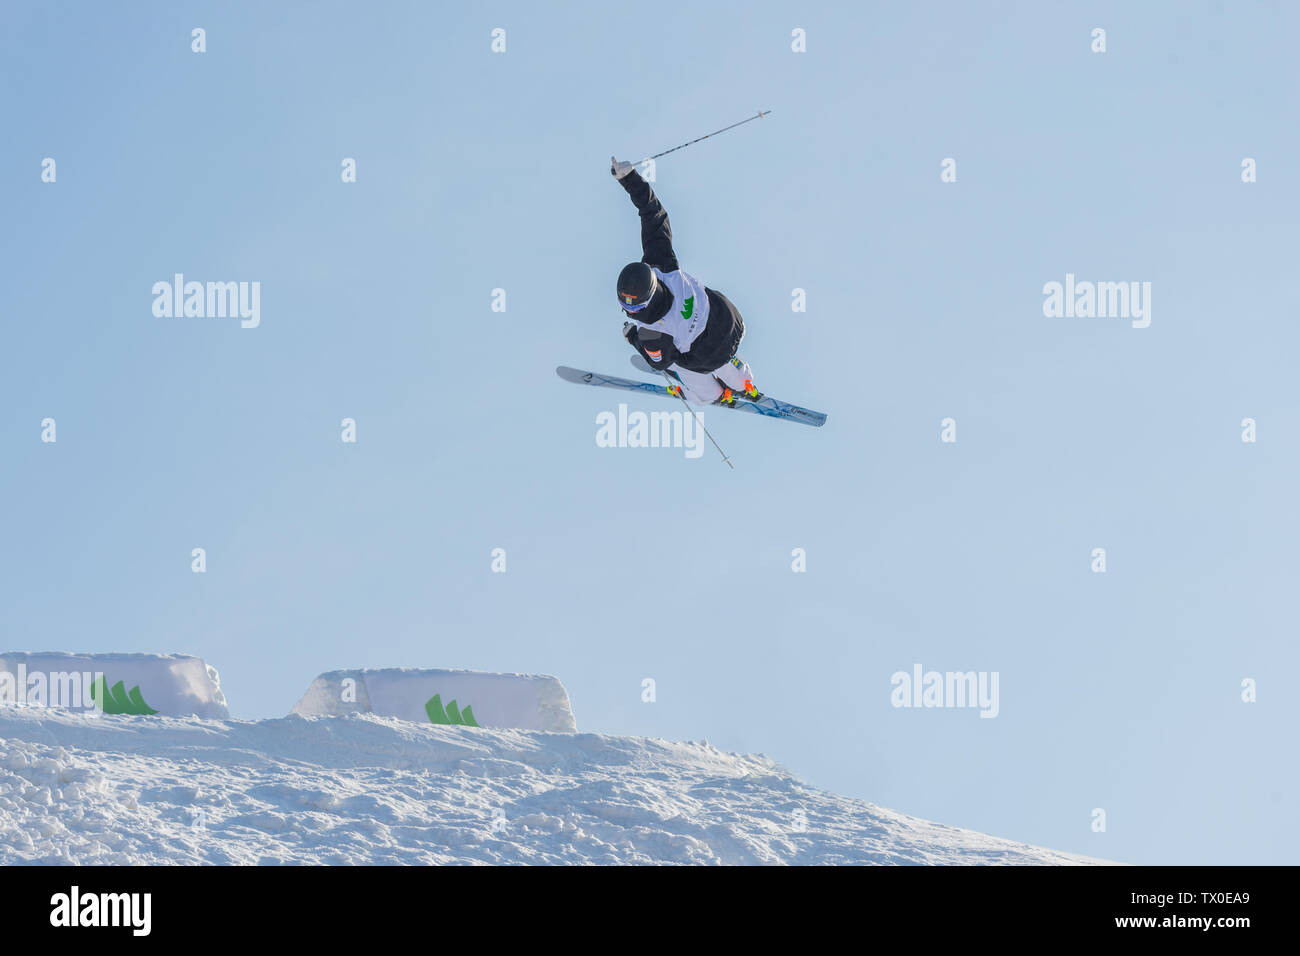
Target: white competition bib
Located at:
point(689, 312)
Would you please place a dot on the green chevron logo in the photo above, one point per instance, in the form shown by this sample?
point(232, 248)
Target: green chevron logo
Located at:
point(117, 700)
point(451, 714)
point(689, 310)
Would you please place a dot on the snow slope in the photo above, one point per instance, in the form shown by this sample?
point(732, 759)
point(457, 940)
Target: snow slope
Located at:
point(367, 789)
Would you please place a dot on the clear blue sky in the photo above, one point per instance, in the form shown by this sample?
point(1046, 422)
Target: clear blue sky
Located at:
point(479, 170)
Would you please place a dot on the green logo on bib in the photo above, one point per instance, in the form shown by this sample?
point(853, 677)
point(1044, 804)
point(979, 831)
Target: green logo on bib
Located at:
point(690, 308)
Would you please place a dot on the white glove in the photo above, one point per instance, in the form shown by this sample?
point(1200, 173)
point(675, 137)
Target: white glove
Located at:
point(619, 169)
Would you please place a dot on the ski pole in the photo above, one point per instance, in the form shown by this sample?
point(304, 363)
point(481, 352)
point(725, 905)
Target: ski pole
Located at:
point(759, 115)
point(676, 390)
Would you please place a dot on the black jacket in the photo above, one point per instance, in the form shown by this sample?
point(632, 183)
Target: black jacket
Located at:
point(713, 347)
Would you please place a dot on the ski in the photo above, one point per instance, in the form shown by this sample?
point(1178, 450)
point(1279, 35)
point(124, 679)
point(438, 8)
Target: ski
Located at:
point(781, 409)
point(767, 407)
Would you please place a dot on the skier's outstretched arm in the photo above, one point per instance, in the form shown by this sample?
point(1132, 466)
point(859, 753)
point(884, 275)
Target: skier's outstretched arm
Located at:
point(656, 233)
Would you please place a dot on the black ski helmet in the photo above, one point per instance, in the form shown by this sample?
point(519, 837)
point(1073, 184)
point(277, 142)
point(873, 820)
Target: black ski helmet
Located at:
point(636, 286)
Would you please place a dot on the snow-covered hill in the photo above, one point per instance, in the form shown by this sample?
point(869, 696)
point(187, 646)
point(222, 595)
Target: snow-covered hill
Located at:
point(366, 789)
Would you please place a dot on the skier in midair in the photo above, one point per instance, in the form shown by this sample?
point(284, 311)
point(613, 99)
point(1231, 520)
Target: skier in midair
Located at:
point(674, 321)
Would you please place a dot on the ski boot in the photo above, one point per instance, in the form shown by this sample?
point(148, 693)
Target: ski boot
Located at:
point(729, 395)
